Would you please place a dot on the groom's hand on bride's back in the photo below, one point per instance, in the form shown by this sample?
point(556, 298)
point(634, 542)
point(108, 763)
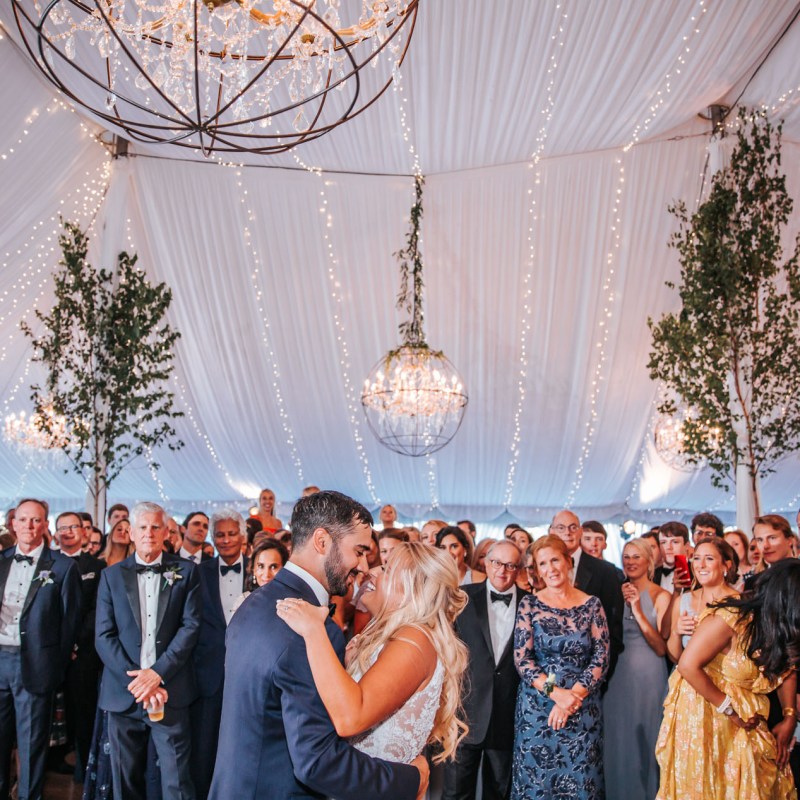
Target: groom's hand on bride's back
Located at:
point(421, 763)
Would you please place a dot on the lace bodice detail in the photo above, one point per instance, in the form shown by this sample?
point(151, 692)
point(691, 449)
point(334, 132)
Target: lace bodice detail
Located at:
point(402, 736)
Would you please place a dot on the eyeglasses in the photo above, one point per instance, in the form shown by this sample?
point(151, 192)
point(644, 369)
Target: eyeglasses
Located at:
point(506, 565)
point(574, 528)
point(62, 528)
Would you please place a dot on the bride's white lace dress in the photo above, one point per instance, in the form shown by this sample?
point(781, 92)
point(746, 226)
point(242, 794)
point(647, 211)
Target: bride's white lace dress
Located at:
point(402, 736)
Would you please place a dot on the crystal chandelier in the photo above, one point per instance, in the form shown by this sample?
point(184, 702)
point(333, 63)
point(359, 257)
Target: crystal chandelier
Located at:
point(414, 399)
point(43, 430)
point(222, 76)
point(671, 436)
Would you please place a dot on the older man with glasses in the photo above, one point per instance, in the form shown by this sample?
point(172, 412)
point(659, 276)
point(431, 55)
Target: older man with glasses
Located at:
point(593, 576)
point(486, 626)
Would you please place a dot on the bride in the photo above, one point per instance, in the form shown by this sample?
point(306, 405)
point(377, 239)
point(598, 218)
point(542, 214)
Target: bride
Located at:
point(402, 686)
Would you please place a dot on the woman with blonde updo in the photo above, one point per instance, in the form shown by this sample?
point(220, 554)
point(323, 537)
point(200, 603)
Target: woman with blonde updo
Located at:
point(402, 686)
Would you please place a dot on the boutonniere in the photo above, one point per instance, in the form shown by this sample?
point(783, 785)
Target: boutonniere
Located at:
point(44, 577)
point(172, 574)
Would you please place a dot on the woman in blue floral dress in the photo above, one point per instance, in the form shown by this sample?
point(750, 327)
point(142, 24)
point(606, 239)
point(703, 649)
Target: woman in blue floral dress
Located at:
point(561, 653)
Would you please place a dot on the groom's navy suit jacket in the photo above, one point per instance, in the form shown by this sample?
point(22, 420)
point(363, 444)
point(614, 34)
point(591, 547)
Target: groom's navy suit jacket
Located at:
point(48, 624)
point(273, 715)
point(118, 632)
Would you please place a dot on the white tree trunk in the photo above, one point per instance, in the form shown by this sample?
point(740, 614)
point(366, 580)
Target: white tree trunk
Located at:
point(748, 491)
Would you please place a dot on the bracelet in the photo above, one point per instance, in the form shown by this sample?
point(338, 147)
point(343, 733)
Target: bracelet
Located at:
point(790, 711)
point(724, 705)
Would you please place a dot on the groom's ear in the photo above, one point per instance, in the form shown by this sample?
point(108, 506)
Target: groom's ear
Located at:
point(321, 541)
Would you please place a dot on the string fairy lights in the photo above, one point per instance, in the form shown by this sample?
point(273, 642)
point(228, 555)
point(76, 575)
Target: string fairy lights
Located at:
point(266, 333)
point(527, 281)
point(351, 393)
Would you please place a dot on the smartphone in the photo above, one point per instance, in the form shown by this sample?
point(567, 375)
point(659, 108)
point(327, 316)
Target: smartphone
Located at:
point(682, 564)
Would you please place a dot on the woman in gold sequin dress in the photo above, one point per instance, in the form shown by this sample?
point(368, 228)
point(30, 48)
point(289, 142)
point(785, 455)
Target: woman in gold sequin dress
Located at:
point(714, 743)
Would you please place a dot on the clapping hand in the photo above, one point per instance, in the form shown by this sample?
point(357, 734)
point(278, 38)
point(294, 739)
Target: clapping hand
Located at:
point(300, 616)
point(686, 624)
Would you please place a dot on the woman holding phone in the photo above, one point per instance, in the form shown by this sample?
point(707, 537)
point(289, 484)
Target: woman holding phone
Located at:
point(714, 562)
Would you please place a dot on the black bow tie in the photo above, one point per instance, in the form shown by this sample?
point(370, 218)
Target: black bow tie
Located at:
point(331, 609)
point(500, 598)
point(665, 570)
point(224, 569)
point(143, 568)
point(19, 558)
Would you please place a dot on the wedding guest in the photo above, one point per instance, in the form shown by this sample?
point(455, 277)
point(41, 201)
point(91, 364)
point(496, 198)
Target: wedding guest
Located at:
point(651, 537)
point(429, 531)
point(148, 616)
point(527, 579)
point(268, 559)
point(254, 527)
point(309, 490)
point(486, 626)
point(510, 528)
point(39, 613)
point(83, 669)
point(479, 558)
point(118, 545)
point(632, 706)
point(174, 537)
point(714, 563)
point(208, 550)
point(739, 542)
point(388, 540)
point(468, 526)
point(285, 538)
point(594, 538)
point(753, 556)
point(594, 577)
point(222, 581)
point(414, 534)
point(95, 543)
point(117, 512)
point(521, 539)
point(402, 686)
point(388, 517)
point(271, 709)
point(194, 537)
point(705, 525)
point(7, 539)
point(713, 742)
point(673, 537)
point(456, 542)
point(266, 511)
point(561, 650)
point(87, 523)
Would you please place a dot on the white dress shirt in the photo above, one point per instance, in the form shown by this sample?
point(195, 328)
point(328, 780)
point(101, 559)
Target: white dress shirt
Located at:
point(184, 553)
point(319, 590)
point(230, 588)
point(501, 619)
point(149, 590)
point(18, 584)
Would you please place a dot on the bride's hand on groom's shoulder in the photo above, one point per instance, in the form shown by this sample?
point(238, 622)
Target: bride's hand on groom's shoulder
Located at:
point(300, 616)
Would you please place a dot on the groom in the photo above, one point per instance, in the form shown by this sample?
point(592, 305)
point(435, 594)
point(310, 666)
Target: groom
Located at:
point(276, 739)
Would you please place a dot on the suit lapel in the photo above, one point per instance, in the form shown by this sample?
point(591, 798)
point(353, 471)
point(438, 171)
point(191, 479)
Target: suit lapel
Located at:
point(583, 575)
point(166, 591)
point(509, 648)
point(5, 567)
point(215, 595)
point(482, 613)
point(45, 563)
point(131, 583)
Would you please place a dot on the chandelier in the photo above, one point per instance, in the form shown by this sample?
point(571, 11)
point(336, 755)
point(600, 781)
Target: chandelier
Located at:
point(671, 436)
point(221, 76)
point(44, 430)
point(414, 399)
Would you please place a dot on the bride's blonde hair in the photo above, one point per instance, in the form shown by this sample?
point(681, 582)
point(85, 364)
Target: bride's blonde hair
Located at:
point(426, 582)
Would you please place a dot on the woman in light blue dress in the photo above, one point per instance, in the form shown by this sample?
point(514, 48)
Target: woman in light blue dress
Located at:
point(632, 706)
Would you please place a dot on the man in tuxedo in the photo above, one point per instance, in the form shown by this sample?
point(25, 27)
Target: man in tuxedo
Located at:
point(222, 581)
point(194, 537)
point(83, 671)
point(486, 626)
point(595, 577)
point(704, 525)
point(40, 592)
point(117, 512)
point(271, 711)
point(148, 618)
point(673, 538)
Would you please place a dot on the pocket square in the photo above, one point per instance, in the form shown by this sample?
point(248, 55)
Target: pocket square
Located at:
point(88, 576)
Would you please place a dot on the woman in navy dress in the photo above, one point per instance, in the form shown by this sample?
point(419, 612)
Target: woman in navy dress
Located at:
point(561, 653)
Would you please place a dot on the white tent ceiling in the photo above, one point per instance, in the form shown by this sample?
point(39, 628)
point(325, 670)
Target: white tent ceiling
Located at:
point(553, 137)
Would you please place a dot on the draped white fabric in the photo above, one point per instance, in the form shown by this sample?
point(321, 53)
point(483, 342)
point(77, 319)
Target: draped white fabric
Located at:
point(539, 280)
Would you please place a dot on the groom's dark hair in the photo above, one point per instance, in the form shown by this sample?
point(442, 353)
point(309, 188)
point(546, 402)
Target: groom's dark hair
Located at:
point(334, 511)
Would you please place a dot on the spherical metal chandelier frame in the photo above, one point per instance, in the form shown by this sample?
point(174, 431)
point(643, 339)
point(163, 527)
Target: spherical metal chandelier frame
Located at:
point(669, 436)
point(414, 400)
point(262, 101)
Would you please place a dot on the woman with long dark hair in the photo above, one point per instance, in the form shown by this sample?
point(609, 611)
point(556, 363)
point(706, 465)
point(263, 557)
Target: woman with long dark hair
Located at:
point(714, 741)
